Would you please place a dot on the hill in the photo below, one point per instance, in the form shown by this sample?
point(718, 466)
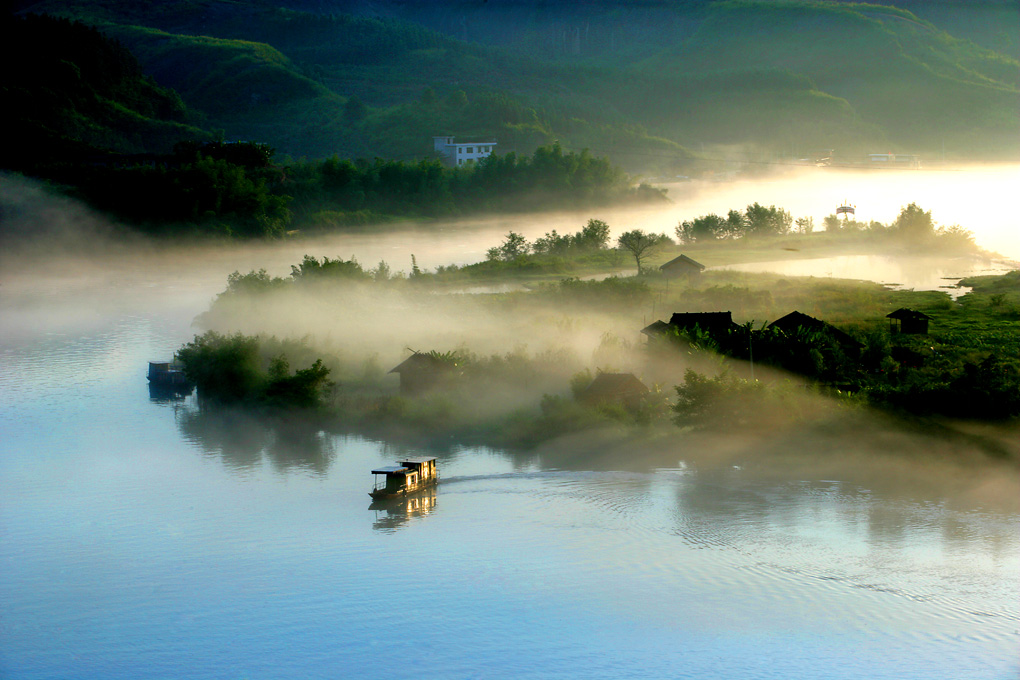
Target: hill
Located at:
point(642, 82)
point(76, 93)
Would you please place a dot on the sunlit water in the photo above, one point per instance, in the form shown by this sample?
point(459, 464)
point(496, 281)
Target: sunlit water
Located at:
point(142, 536)
point(897, 272)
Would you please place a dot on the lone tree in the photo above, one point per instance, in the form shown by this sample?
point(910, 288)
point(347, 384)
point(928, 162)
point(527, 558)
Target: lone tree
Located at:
point(640, 244)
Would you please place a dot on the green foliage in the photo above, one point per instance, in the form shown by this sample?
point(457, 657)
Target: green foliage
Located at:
point(72, 93)
point(914, 224)
point(770, 221)
point(224, 368)
point(513, 248)
point(551, 178)
point(641, 245)
point(233, 368)
point(702, 401)
point(704, 228)
point(312, 269)
point(756, 220)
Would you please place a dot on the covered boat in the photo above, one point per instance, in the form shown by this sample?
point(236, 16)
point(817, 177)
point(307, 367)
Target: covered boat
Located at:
point(407, 476)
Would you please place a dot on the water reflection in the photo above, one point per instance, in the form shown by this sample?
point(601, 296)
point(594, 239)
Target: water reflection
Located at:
point(393, 513)
point(169, 394)
point(244, 440)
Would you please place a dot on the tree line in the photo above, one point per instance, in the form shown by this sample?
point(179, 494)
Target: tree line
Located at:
point(913, 225)
point(238, 189)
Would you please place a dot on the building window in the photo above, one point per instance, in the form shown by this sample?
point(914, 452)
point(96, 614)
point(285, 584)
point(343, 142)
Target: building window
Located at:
point(471, 149)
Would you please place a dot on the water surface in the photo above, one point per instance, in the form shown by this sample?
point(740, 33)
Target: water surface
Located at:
point(147, 536)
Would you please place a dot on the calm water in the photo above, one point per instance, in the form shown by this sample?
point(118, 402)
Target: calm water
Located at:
point(146, 537)
point(898, 272)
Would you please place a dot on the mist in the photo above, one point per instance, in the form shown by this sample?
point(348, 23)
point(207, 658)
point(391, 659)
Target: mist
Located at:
point(58, 286)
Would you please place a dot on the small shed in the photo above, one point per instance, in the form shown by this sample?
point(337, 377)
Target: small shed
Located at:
point(681, 266)
point(422, 371)
point(908, 322)
point(619, 388)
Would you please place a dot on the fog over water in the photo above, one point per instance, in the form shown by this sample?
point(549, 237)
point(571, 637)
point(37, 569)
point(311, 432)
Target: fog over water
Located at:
point(144, 536)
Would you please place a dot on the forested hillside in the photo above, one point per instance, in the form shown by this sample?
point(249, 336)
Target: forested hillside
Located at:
point(654, 86)
point(70, 93)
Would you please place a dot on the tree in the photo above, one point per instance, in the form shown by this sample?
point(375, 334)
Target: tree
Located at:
point(805, 225)
point(514, 246)
point(593, 236)
point(736, 225)
point(770, 221)
point(914, 224)
point(640, 244)
point(832, 223)
point(704, 228)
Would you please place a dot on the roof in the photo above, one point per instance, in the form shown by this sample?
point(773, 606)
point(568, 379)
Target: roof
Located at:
point(796, 319)
point(391, 470)
point(421, 360)
point(705, 320)
point(655, 328)
point(684, 262)
point(904, 314)
point(417, 460)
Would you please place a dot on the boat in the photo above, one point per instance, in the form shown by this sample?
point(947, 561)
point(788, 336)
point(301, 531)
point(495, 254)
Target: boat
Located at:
point(407, 476)
point(167, 374)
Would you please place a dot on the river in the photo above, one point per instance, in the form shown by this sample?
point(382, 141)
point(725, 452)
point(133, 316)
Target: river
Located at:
point(144, 536)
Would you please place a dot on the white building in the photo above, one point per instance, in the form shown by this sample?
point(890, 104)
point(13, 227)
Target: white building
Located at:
point(459, 153)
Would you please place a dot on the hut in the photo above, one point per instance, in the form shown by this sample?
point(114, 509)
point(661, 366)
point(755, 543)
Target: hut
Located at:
point(718, 325)
point(681, 266)
point(614, 388)
point(424, 370)
point(908, 322)
point(656, 330)
point(794, 320)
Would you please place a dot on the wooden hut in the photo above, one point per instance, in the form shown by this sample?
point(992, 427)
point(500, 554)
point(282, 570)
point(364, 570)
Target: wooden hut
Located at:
point(794, 320)
point(718, 325)
point(681, 266)
point(908, 322)
point(424, 370)
point(615, 388)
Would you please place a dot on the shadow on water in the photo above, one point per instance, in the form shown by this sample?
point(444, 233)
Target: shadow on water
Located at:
point(244, 440)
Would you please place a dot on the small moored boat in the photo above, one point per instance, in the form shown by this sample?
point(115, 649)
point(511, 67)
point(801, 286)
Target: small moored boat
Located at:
point(167, 374)
point(407, 476)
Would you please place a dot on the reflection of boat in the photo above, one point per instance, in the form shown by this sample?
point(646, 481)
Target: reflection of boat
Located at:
point(392, 513)
point(408, 476)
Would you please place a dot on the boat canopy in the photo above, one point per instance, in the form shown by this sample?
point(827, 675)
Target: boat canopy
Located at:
point(391, 470)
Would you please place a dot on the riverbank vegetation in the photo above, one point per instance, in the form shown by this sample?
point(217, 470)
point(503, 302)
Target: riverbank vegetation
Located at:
point(512, 368)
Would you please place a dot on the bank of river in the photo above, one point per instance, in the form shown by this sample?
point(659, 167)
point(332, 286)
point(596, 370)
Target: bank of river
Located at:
point(145, 536)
